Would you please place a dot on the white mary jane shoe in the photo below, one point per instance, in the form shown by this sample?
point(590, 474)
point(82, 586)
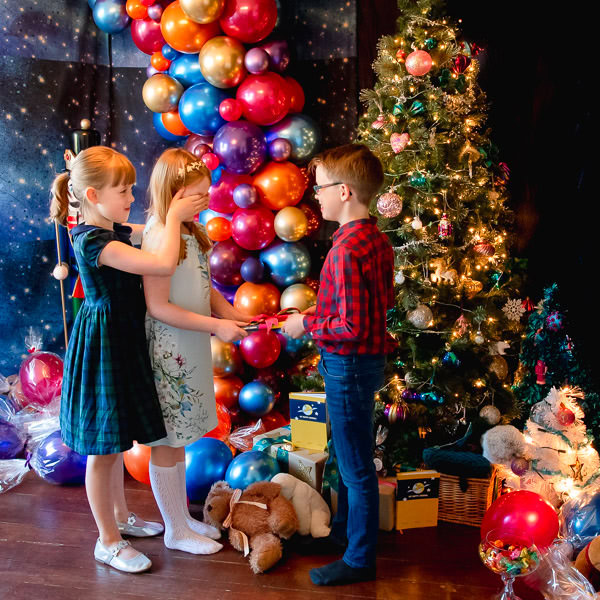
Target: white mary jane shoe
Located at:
point(110, 557)
point(148, 529)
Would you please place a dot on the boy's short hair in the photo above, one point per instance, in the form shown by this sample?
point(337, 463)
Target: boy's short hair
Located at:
point(355, 165)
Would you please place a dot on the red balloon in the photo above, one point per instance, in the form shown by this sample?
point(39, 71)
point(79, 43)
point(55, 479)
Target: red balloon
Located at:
point(227, 390)
point(210, 160)
point(524, 512)
point(218, 229)
point(249, 20)
point(264, 98)
point(296, 95)
point(313, 216)
point(223, 428)
point(221, 193)
point(274, 420)
point(159, 62)
point(261, 348)
point(41, 376)
point(137, 462)
point(173, 123)
point(230, 109)
point(146, 35)
point(253, 228)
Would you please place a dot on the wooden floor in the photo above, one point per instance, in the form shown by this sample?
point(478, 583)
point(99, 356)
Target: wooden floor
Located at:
point(47, 537)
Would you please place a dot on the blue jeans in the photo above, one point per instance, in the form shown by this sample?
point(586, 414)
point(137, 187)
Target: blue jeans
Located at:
point(350, 385)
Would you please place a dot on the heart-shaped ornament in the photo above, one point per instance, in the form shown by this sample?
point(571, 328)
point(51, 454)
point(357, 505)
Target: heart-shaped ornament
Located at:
point(399, 141)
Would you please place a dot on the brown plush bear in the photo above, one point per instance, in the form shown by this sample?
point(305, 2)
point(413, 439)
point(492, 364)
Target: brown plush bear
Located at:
point(256, 519)
point(588, 563)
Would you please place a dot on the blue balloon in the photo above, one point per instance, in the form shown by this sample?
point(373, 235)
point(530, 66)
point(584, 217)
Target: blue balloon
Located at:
point(186, 69)
point(583, 520)
point(301, 131)
point(56, 463)
point(252, 270)
point(240, 146)
point(11, 443)
point(206, 461)
point(294, 346)
point(110, 15)
point(206, 215)
point(163, 131)
point(250, 467)
point(289, 262)
point(170, 53)
point(199, 108)
point(257, 398)
point(92, 3)
point(216, 174)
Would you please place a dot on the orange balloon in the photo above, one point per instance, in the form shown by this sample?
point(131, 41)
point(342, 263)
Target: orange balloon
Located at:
point(136, 10)
point(280, 184)
point(182, 33)
point(159, 62)
point(227, 390)
point(173, 124)
point(137, 462)
point(257, 298)
point(223, 428)
point(218, 229)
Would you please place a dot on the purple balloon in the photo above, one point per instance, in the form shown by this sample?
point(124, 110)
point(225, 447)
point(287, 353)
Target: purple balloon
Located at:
point(150, 70)
point(194, 141)
point(240, 146)
point(227, 291)
point(252, 270)
point(280, 149)
point(226, 261)
point(245, 195)
point(155, 12)
point(279, 54)
point(256, 60)
point(55, 462)
point(11, 443)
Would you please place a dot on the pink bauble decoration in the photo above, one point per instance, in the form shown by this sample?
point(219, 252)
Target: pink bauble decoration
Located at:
point(389, 205)
point(253, 228)
point(418, 63)
point(41, 377)
point(399, 141)
point(260, 349)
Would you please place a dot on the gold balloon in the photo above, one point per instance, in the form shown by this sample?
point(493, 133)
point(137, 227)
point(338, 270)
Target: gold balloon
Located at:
point(298, 296)
point(291, 224)
point(161, 93)
point(222, 61)
point(226, 358)
point(202, 11)
point(257, 298)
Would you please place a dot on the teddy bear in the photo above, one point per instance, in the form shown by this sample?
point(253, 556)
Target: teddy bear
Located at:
point(256, 518)
point(588, 562)
point(312, 511)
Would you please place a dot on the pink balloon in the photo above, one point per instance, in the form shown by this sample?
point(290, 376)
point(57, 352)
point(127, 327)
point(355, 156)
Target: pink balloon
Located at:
point(146, 35)
point(210, 160)
point(230, 109)
point(524, 512)
point(264, 98)
point(253, 228)
point(41, 377)
point(296, 95)
point(221, 193)
point(260, 349)
point(249, 20)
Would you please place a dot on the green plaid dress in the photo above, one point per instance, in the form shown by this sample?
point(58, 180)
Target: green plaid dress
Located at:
point(108, 394)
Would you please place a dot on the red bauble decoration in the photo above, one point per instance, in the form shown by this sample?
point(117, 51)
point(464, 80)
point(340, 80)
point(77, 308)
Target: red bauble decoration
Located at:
point(565, 416)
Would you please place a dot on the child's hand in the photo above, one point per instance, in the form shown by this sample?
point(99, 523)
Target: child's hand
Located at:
point(184, 208)
point(230, 331)
point(310, 310)
point(294, 326)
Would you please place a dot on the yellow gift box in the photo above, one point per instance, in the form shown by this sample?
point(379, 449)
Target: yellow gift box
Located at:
point(417, 497)
point(308, 420)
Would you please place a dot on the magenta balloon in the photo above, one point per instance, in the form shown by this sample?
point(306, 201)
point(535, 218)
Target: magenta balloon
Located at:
point(256, 60)
point(265, 98)
point(253, 228)
point(221, 193)
point(249, 20)
point(194, 141)
point(226, 261)
point(279, 54)
point(41, 378)
point(146, 35)
point(261, 348)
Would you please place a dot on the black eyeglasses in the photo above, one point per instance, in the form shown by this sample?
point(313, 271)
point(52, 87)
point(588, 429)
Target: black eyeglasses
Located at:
point(316, 188)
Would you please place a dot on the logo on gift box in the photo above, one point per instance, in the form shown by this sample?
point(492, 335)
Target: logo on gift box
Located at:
point(307, 411)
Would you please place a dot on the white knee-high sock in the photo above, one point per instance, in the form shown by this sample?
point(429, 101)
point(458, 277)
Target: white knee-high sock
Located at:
point(193, 524)
point(178, 536)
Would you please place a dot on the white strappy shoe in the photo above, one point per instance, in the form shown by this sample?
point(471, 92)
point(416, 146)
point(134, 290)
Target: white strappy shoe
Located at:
point(110, 557)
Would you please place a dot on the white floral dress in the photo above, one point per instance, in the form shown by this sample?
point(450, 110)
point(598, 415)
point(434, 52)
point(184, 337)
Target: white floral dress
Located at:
point(181, 359)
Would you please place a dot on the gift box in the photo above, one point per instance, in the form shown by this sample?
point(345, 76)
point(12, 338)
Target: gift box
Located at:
point(417, 495)
point(308, 420)
point(305, 464)
point(387, 503)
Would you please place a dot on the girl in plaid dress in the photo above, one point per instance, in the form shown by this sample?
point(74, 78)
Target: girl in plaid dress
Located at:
point(178, 328)
point(108, 395)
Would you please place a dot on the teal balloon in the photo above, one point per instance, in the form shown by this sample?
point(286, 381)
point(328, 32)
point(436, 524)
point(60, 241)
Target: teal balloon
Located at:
point(110, 15)
point(199, 108)
point(288, 262)
point(250, 467)
point(303, 134)
point(206, 461)
point(294, 346)
point(186, 69)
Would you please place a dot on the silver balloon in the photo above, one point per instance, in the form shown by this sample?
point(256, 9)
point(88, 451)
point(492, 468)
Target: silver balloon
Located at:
point(302, 132)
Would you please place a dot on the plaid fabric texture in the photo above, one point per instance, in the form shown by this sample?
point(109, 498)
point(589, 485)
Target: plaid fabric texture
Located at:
point(108, 395)
point(356, 290)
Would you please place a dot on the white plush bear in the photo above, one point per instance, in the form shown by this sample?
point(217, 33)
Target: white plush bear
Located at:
point(312, 511)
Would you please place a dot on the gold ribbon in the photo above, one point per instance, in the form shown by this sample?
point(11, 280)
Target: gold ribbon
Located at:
point(227, 523)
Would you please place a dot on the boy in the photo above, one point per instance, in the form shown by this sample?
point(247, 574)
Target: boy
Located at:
point(349, 326)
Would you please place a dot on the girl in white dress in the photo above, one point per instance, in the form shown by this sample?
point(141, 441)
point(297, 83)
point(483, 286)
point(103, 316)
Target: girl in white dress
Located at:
point(178, 328)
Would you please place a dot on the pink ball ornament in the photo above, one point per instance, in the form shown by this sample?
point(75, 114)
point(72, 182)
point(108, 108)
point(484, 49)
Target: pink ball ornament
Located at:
point(519, 466)
point(210, 160)
point(418, 63)
point(389, 205)
point(230, 109)
point(260, 349)
point(41, 377)
point(253, 228)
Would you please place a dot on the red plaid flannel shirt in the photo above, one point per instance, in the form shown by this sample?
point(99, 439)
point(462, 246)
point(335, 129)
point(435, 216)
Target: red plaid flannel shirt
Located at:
point(356, 290)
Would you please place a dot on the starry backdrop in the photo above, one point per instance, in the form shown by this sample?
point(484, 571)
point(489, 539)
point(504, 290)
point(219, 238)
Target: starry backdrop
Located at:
point(57, 69)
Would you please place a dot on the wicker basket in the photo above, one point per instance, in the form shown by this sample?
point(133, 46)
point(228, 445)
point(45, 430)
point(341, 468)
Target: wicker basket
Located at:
point(466, 508)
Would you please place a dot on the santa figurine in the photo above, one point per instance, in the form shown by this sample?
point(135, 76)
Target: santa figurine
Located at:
point(540, 371)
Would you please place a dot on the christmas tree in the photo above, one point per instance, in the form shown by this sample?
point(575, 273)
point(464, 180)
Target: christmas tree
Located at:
point(549, 359)
point(444, 209)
